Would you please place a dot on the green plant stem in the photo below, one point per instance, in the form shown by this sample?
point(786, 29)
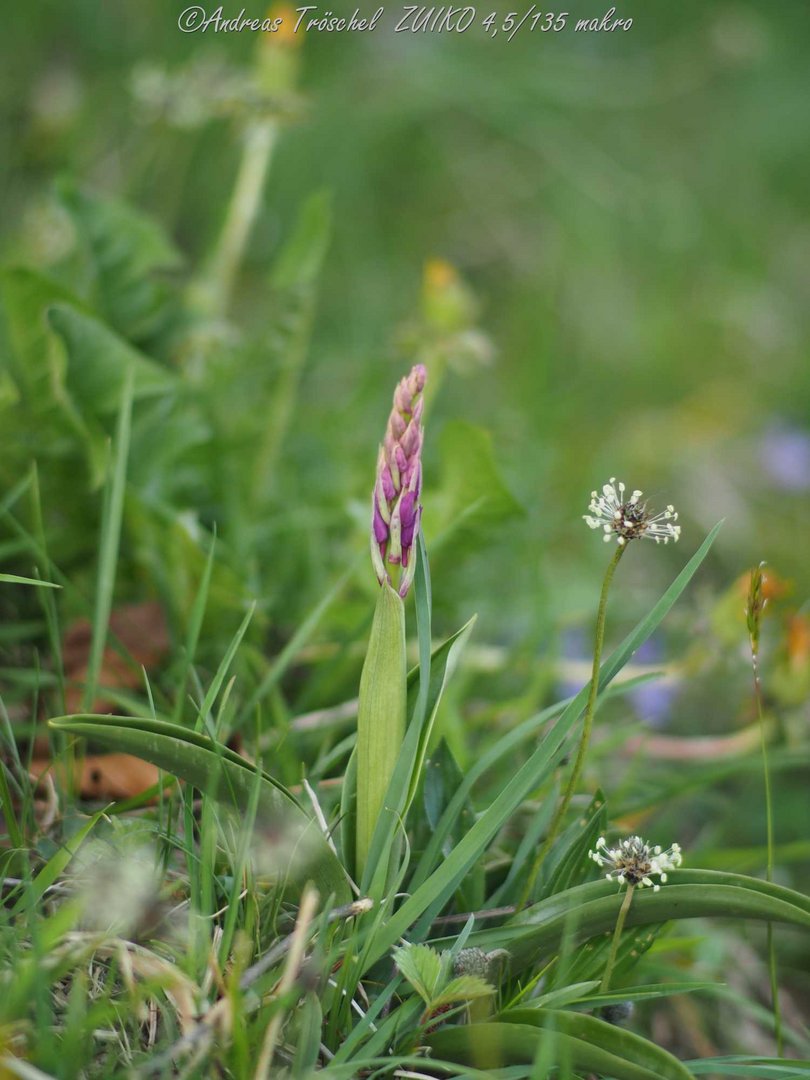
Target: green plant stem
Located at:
point(777, 1013)
point(587, 725)
point(214, 290)
point(617, 935)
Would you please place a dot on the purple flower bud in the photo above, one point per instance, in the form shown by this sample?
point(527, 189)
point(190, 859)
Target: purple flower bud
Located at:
point(396, 512)
point(389, 491)
point(407, 517)
point(380, 528)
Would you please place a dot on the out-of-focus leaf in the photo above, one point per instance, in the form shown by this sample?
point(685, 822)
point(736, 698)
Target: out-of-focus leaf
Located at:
point(98, 360)
point(123, 251)
point(588, 1043)
point(301, 258)
point(26, 296)
point(307, 1041)
point(55, 866)
point(743, 1066)
point(15, 579)
point(224, 775)
point(442, 779)
point(472, 494)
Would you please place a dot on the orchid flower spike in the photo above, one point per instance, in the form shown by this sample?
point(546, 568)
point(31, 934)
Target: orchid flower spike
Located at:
point(395, 503)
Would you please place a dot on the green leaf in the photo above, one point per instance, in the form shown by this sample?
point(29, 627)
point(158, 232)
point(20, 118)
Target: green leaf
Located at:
point(302, 257)
point(741, 1066)
point(225, 776)
point(464, 988)
point(442, 664)
point(472, 494)
point(26, 296)
point(589, 910)
point(307, 1042)
point(569, 863)
point(643, 993)
point(539, 765)
point(98, 360)
point(587, 1043)
point(381, 715)
point(591, 1031)
point(14, 579)
point(123, 251)
point(55, 866)
point(443, 778)
point(110, 536)
point(423, 967)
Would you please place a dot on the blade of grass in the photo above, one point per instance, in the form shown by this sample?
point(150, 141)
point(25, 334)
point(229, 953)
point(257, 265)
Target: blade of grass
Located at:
point(615, 662)
point(110, 538)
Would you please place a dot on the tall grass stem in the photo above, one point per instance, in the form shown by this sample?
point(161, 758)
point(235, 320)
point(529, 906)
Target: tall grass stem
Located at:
point(777, 1012)
point(585, 738)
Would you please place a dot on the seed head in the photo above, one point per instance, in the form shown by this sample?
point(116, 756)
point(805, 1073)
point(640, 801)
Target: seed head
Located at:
point(629, 518)
point(634, 861)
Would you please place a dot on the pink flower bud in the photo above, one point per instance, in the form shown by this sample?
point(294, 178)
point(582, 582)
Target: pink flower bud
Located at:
point(396, 511)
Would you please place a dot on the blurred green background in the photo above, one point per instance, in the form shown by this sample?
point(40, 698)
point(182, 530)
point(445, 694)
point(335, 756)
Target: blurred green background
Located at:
point(629, 209)
point(626, 215)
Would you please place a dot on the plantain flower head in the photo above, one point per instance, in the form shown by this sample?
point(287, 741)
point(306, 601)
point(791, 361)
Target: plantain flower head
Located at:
point(627, 518)
point(395, 504)
point(633, 861)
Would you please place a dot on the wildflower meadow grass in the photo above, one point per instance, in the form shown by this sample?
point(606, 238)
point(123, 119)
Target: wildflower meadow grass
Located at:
point(331, 739)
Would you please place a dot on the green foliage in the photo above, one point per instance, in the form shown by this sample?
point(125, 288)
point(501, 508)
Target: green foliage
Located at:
point(428, 972)
point(183, 422)
point(225, 776)
point(381, 716)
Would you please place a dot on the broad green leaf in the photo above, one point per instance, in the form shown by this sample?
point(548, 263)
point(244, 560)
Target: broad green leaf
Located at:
point(590, 1030)
point(98, 359)
point(615, 1053)
point(381, 715)
point(122, 253)
point(26, 296)
point(225, 776)
point(40, 418)
point(472, 494)
point(442, 664)
point(591, 909)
